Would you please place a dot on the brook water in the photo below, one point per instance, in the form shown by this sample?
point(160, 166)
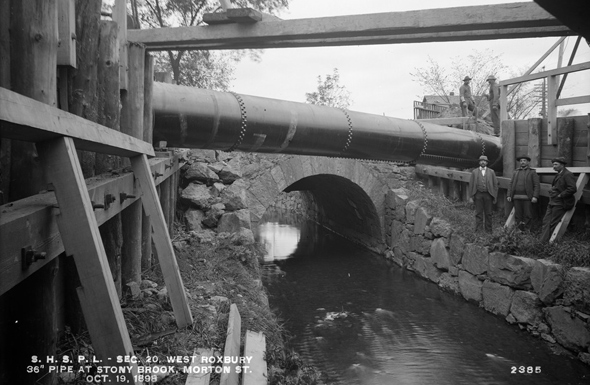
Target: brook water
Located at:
point(364, 321)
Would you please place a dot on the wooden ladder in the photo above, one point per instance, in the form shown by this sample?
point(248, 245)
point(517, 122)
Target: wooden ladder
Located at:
point(565, 220)
point(58, 135)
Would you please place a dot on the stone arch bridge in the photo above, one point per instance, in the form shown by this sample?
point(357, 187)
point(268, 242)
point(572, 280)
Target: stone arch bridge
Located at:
point(347, 196)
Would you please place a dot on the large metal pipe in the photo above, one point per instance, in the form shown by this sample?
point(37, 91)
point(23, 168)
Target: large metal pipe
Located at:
point(195, 118)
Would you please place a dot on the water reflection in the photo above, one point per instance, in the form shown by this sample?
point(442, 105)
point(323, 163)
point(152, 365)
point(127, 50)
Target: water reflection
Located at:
point(279, 240)
point(362, 321)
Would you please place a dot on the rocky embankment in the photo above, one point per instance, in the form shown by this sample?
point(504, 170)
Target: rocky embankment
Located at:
point(543, 297)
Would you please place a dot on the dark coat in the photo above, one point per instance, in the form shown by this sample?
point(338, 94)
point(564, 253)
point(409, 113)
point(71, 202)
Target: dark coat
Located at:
point(491, 182)
point(563, 189)
point(531, 183)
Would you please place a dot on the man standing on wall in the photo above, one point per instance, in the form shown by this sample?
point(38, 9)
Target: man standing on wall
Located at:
point(523, 191)
point(483, 189)
point(466, 99)
point(561, 197)
point(494, 99)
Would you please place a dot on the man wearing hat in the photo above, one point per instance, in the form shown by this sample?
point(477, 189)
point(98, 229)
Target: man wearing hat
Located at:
point(466, 99)
point(523, 191)
point(494, 99)
point(561, 197)
point(483, 189)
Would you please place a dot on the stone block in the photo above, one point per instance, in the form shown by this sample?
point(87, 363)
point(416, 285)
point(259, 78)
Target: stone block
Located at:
point(197, 195)
point(510, 270)
point(470, 287)
point(577, 288)
point(213, 215)
point(526, 307)
point(497, 298)
point(571, 332)
point(475, 259)
point(200, 172)
point(440, 228)
point(411, 208)
point(448, 282)
point(432, 273)
point(440, 255)
point(547, 280)
point(420, 266)
point(421, 220)
point(243, 237)
point(193, 219)
point(230, 173)
point(232, 222)
point(234, 196)
point(456, 248)
point(454, 271)
point(405, 241)
point(397, 228)
point(398, 256)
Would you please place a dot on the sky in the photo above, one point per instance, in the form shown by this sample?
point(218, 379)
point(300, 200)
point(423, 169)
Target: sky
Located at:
point(378, 76)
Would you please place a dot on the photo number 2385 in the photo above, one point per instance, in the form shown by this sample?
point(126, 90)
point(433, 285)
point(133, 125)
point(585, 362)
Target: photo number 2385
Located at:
point(525, 369)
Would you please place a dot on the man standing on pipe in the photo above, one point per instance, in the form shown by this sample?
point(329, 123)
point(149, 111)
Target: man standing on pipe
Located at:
point(561, 197)
point(483, 189)
point(466, 98)
point(523, 191)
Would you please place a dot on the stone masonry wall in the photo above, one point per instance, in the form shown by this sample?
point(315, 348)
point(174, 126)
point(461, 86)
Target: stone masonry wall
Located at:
point(537, 295)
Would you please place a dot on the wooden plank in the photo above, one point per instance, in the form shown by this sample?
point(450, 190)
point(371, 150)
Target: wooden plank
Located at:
point(573, 100)
point(549, 73)
point(120, 16)
point(503, 104)
point(162, 242)
point(255, 347)
point(534, 141)
point(551, 110)
point(562, 225)
point(510, 221)
point(198, 372)
point(232, 347)
point(32, 222)
point(565, 139)
point(26, 119)
point(458, 23)
point(244, 15)
point(508, 147)
point(81, 238)
point(66, 23)
point(575, 170)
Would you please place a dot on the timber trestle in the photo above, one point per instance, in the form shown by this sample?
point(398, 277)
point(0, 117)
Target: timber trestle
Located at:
point(58, 135)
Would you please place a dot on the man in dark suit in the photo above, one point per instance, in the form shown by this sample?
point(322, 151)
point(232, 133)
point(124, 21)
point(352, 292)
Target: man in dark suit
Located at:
point(561, 197)
point(523, 191)
point(483, 189)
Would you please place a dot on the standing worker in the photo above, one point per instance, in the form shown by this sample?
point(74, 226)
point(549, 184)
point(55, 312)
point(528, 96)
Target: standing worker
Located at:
point(483, 189)
point(561, 197)
point(523, 191)
point(466, 99)
point(494, 99)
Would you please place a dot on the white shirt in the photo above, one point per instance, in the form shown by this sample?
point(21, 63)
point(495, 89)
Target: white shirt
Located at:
point(483, 170)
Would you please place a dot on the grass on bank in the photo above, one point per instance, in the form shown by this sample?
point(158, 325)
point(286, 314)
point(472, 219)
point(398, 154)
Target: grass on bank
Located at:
point(214, 275)
point(573, 249)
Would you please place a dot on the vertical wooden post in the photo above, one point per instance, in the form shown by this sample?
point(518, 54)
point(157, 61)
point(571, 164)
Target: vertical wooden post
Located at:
point(565, 139)
point(66, 54)
point(551, 110)
point(120, 16)
point(508, 155)
point(29, 318)
point(146, 238)
point(443, 186)
point(109, 115)
point(132, 124)
point(503, 104)
point(81, 238)
point(5, 144)
point(534, 144)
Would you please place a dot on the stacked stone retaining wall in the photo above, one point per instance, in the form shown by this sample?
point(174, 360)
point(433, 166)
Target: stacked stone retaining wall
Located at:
point(537, 295)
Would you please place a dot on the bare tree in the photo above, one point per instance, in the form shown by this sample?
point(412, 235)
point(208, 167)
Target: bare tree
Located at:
point(438, 80)
point(330, 92)
point(206, 69)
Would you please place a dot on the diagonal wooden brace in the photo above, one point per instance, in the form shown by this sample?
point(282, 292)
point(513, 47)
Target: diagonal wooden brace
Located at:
point(162, 241)
point(81, 238)
point(565, 220)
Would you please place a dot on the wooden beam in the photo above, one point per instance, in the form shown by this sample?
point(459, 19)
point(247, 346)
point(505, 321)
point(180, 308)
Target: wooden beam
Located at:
point(544, 74)
point(162, 242)
point(29, 120)
point(33, 221)
point(255, 347)
point(565, 220)
point(574, 100)
point(120, 16)
point(66, 19)
point(552, 83)
point(81, 238)
point(446, 24)
point(534, 143)
point(198, 372)
point(232, 346)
